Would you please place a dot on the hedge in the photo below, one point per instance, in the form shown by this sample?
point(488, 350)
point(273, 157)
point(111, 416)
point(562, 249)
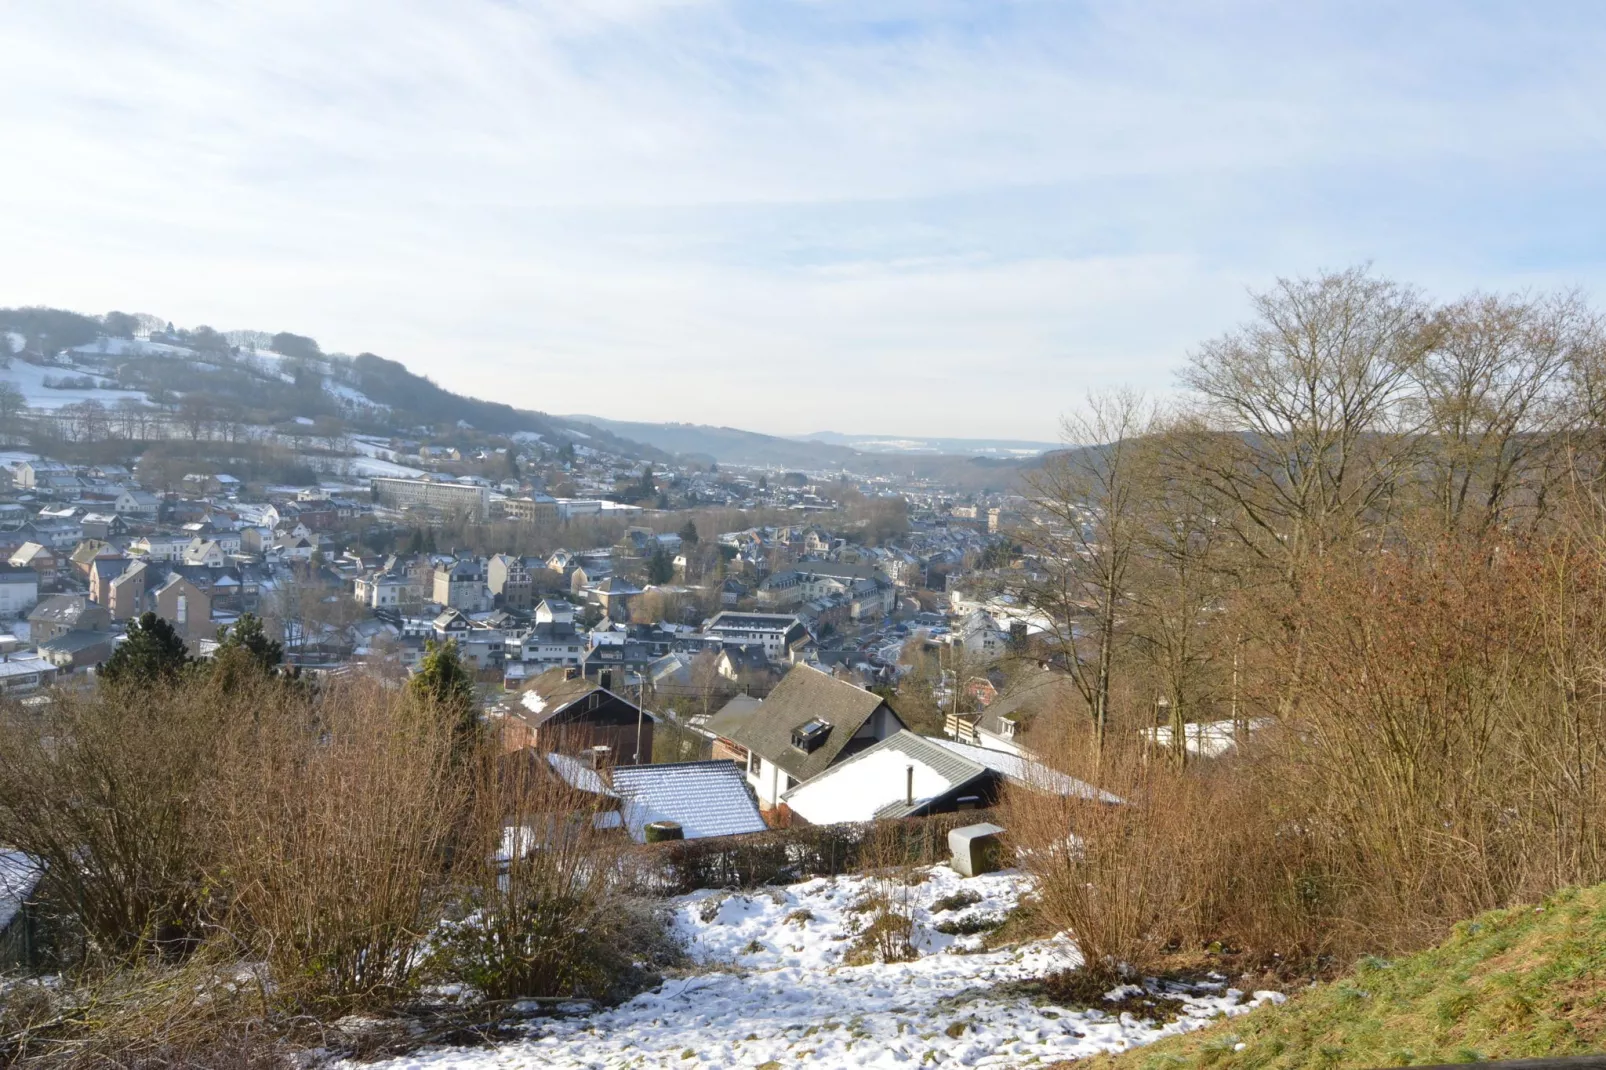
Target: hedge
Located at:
point(783, 856)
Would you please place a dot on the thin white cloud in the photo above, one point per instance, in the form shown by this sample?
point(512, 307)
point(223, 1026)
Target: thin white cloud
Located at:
point(959, 216)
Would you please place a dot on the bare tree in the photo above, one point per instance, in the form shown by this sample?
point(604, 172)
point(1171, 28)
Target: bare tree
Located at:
point(1494, 405)
point(1310, 404)
point(13, 402)
point(1085, 529)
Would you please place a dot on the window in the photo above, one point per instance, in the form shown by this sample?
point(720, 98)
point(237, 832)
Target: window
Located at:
point(809, 736)
point(755, 764)
point(183, 609)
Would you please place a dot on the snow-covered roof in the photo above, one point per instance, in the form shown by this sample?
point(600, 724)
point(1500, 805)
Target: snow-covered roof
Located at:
point(704, 798)
point(578, 773)
point(1029, 773)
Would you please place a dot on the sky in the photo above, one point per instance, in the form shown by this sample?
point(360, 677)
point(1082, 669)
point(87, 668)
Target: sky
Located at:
point(867, 216)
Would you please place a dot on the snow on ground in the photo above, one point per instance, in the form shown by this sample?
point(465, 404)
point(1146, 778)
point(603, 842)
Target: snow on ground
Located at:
point(30, 379)
point(372, 446)
point(351, 396)
point(123, 347)
point(271, 363)
point(373, 466)
point(771, 991)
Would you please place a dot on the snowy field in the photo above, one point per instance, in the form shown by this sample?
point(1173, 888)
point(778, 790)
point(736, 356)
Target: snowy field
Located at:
point(373, 466)
point(30, 379)
point(769, 990)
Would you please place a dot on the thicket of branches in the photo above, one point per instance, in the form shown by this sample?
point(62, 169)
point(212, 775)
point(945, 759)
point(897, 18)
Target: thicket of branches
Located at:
point(231, 858)
point(1372, 529)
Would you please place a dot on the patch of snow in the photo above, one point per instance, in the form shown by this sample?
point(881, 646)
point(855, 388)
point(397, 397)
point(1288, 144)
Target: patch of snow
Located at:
point(775, 992)
point(532, 702)
point(305, 421)
point(30, 379)
point(373, 466)
point(17, 342)
point(352, 396)
point(131, 347)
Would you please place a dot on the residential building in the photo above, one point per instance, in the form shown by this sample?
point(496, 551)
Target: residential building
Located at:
point(103, 569)
point(783, 636)
point(807, 724)
point(137, 504)
point(909, 775)
point(1037, 705)
point(453, 498)
point(552, 641)
point(126, 594)
point(461, 585)
point(161, 547)
point(63, 613)
point(613, 595)
point(388, 590)
point(20, 675)
point(77, 649)
point(208, 552)
point(41, 559)
point(509, 581)
point(19, 590)
point(537, 509)
point(186, 607)
point(573, 715)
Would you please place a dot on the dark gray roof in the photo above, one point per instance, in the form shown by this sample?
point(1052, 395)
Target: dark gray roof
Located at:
point(704, 798)
point(803, 695)
point(74, 641)
point(60, 609)
point(732, 716)
point(1046, 691)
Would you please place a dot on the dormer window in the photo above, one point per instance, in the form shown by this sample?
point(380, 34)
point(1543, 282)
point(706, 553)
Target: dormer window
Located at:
point(808, 737)
point(1009, 727)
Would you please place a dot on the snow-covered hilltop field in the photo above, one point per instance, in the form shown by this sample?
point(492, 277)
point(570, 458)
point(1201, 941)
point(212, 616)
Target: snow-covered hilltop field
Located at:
point(769, 988)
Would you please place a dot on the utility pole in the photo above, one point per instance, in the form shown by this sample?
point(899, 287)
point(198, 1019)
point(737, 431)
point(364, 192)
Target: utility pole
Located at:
point(641, 711)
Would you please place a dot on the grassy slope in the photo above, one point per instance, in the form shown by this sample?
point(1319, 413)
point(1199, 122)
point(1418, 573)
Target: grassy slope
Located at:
point(1516, 983)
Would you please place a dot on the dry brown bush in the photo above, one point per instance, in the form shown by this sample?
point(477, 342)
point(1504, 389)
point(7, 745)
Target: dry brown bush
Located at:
point(539, 872)
point(335, 820)
point(1438, 759)
point(110, 789)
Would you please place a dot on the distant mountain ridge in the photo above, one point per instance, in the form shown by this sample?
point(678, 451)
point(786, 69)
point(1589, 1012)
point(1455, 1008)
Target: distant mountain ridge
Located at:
point(241, 375)
point(730, 445)
point(957, 447)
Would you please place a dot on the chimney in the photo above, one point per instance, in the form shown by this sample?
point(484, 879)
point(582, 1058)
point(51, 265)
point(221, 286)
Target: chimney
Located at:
point(599, 756)
point(605, 679)
point(909, 785)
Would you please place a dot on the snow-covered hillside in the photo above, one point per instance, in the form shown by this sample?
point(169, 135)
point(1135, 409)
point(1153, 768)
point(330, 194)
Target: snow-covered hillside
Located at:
point(771, 991)
point(30, 379)
point(131, 347)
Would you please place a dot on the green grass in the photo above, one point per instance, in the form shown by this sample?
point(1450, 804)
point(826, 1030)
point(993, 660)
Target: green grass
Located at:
point(1518, 983)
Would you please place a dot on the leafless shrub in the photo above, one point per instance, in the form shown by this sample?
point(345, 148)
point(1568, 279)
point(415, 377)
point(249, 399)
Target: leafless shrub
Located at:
point(110, 789)
point(336, 821)
point(540, 915)
point(886, 932)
